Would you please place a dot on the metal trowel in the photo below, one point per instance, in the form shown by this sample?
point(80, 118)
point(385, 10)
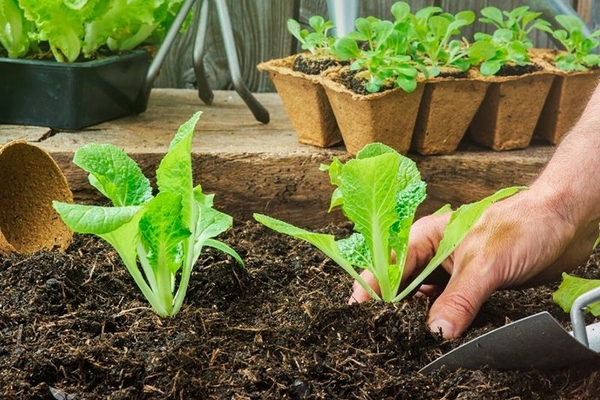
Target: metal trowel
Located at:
point(535, 342)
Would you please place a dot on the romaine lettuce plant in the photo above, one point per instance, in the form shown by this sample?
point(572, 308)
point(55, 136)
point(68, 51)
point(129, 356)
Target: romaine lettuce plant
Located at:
point(379, 191)
point(578, 56)
point(159, 238)
point(81, 27)
point(15, 29)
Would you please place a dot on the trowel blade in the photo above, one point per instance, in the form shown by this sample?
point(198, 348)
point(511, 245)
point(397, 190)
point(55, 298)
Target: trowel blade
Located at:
point(534, 342)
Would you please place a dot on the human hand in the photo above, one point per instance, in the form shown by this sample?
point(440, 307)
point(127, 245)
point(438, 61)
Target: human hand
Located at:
point(518, 242)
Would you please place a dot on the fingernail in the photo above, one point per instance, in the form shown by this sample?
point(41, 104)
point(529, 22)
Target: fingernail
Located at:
point(444, 326)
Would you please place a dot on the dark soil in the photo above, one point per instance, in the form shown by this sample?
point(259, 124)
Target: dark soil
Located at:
point(74, 326)
point(349, 79)
point(518, 70)
point(314, 65)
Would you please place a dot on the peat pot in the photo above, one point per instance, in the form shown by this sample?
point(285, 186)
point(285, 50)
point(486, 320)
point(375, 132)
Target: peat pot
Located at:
point(447, 108)
point(71, 96)
point(388, 117)
point(29, 181)
point(305, 102)
point(509, 113)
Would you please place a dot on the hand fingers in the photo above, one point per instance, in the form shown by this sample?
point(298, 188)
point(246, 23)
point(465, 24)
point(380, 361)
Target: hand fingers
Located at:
point(359, 294)
point(425, 234)
point(459, 303)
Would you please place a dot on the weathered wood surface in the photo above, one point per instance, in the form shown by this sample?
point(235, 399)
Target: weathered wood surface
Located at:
point(253, 167)
point(260, 33)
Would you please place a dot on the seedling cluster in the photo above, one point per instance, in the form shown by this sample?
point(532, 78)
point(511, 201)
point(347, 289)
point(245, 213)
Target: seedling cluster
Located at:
point(416, 46)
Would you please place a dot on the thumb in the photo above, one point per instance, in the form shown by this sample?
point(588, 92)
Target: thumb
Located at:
point(459, 303)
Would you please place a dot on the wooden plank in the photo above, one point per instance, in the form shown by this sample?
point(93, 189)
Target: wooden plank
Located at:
point(252, 167)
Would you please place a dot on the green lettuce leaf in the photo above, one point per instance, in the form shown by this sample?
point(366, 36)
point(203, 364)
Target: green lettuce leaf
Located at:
point(14, 29)
point(571, 288)
point(159, 238)
point(379, 191)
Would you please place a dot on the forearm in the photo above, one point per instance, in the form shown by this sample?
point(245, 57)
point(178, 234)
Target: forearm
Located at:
point(572, 177)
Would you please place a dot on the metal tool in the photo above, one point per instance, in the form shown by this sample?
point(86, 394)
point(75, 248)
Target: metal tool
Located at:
point(204, 91)
point(534, 342)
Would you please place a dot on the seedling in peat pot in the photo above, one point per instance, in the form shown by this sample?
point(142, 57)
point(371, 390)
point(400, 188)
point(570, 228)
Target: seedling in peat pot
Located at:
point(510, 40)
point(578, 48)
point(318, 42)
point(432, 32)
point(163, 234)
point(379, 191)
point(379, 51)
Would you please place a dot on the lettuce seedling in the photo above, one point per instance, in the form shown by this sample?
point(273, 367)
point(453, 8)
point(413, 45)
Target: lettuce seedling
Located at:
point(379, 191)
point(318, 42)
point(159, 238)
point(432, 32)
point(577, 46)
point(379, 51)
point(520, 22)
point(509, 42)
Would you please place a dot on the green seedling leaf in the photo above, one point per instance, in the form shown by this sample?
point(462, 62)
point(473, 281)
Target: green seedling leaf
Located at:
point(379, 191)
point(431, 33)
point(577, 46)
point(159, 238)
point(114, 174)
point(510, 39)
point(571, 288)
point(318, 41)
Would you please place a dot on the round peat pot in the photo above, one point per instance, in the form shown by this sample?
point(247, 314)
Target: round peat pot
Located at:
point(29, 181)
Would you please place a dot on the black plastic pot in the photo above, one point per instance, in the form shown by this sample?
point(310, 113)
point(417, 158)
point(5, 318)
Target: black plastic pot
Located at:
point(75, 95)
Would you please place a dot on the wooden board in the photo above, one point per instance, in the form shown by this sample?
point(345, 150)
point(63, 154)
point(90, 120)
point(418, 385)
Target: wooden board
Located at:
point(253, 167)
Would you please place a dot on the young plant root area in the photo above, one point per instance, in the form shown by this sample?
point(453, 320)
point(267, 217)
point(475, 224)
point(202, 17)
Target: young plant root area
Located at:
point(74, 326)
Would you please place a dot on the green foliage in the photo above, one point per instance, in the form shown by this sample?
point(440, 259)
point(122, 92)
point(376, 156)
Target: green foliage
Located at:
point(162, 234)
point(432, 31)
point(509, 42)
point(578, 48)
point(317, 42)
point(80, 27)
point(380, 51)
point(519, 22)
point(571, 288)
point(14, 34)
point(379, 191)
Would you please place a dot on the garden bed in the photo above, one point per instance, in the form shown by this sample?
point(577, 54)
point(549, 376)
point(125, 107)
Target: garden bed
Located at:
point(280, 328)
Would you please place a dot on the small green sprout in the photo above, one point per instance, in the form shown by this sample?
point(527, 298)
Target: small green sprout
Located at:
point(509, 42)
point(318, 42)
point(578, 56)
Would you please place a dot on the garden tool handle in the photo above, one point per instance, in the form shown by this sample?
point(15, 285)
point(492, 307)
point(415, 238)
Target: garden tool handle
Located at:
point(578, 314)
point(163, 49)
